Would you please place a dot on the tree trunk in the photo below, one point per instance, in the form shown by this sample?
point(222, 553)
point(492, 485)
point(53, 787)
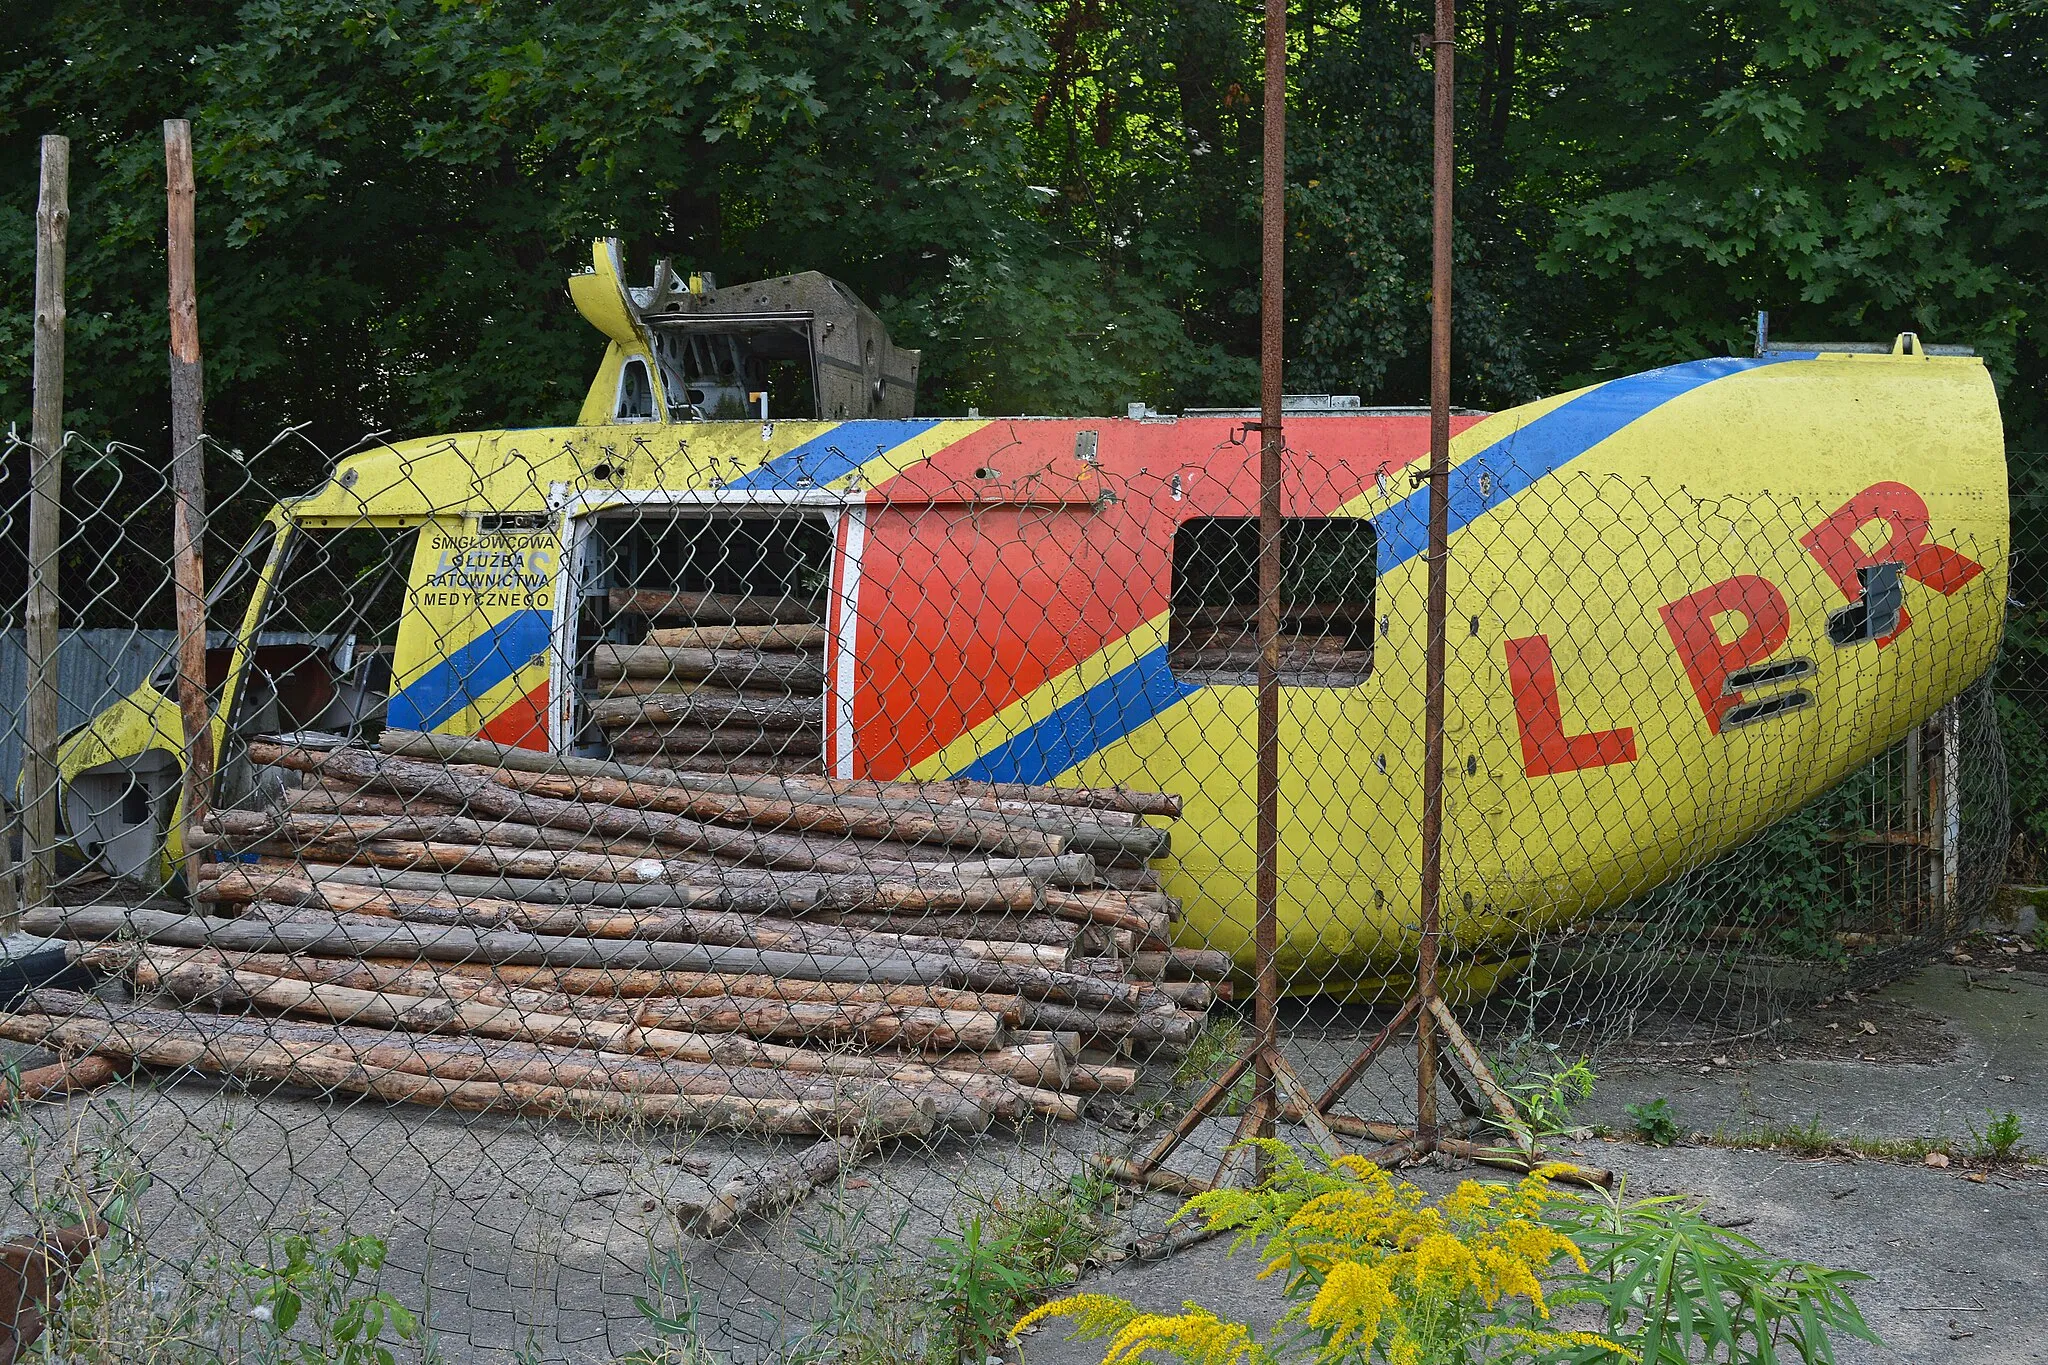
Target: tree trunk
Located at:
point(457, 749)
point(212, 977)
point(798, 672)
point(699, 709)
point(474, 791)
point(786, 1182)
point(666, 926)
point(37, 786)
point(256, 1058)
point(716, 607)
point(821, 815)
point(67, 1077)
point(303, 884)
point(929, 892)
point(694, 741)
point(738, 637)
point(100, 922)
point(595, 982)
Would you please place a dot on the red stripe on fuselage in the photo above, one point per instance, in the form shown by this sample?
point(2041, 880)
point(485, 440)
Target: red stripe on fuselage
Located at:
point(999, 563)
point(523, 724)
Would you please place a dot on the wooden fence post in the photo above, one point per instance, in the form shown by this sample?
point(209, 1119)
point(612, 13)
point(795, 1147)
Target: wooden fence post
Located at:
point(188, 480)
point(45, 503)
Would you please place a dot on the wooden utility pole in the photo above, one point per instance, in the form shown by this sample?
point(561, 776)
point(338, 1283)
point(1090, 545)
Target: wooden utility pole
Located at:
point(45, 505)
point(188, 482)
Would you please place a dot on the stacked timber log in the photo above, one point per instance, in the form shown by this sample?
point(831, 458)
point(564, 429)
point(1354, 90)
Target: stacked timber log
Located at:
point(740, 689)
point(448, 921)
point(1330, 641)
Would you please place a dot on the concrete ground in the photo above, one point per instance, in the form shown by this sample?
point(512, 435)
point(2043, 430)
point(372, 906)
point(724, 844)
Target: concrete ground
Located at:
point(1959, 1270)
point(531, 1241)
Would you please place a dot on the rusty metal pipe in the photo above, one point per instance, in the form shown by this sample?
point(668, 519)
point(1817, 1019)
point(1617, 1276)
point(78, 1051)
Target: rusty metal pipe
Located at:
point(1266, 930)
point(1438, 556)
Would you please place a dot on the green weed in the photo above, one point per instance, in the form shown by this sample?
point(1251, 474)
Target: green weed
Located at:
point(1810, 1139)
point(1654, 1121)
point(979, 1286)
point(1807, 1139)
point(313, 1286)
point(1221, 1042)
point(878, 1314)
point(1544, 1093)
point(2000, 1140)
point(1678, 1288)
point(1009, 1258)
point(670, 1308)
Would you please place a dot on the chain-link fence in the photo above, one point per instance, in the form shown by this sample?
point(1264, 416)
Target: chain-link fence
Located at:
point(739, 888)
point(2022, 689)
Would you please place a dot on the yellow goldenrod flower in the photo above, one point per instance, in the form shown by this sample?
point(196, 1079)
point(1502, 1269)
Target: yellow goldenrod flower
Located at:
point(1372, 1267)
point(1553, 1341)
point(1196, 1336)
point(1444, 1259)
point(1508, 1276)
point(1353, 1299)
point(1540, 1245)
point(1097, 1314)
point(1468, 1202)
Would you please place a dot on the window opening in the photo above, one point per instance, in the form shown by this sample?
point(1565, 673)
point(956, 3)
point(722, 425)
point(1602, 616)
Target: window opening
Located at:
point(227, 608)
point(701, 640)
point(1327, 573)
point(636, 392)
point(713, 368)
point(324, 645)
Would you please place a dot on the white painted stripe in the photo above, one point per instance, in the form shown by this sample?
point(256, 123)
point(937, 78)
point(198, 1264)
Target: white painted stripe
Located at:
point(573, 530)
point(845, 623)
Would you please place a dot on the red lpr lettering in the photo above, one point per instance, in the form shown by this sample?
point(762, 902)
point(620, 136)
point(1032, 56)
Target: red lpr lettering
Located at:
point(1709, 659)
point(1546, 748)
point(1833, 545)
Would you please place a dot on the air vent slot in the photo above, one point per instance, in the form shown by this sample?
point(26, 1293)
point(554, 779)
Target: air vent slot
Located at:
point(1763, 708)
point(1763, 675)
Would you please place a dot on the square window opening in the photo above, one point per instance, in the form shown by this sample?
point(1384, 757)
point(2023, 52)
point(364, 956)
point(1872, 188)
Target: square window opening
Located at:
point(701, 640)
point(1328, 566)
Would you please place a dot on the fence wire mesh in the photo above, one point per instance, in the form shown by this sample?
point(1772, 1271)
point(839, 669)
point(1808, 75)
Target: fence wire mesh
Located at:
point(604, 819)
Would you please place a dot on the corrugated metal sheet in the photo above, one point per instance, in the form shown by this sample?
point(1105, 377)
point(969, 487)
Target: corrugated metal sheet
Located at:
point(95, 668)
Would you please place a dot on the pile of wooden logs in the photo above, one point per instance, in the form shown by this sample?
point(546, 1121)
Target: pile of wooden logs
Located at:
point(744, 695)
point(448, 921)
point(1330, 642)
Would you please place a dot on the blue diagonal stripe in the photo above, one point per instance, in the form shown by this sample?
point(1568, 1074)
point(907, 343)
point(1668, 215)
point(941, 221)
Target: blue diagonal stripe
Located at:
point(1511, 465)
point(1098, 717)
point(832, 456)
point(470, 670)
point(1119, 704)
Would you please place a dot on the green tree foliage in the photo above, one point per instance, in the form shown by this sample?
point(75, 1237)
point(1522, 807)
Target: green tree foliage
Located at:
point(1057, 200)
point(391, 193)
point(1839, 164)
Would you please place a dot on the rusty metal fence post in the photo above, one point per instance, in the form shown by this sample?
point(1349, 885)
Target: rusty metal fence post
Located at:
point(1438, 556)
point(1277, 1090)
point(1272, 442)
